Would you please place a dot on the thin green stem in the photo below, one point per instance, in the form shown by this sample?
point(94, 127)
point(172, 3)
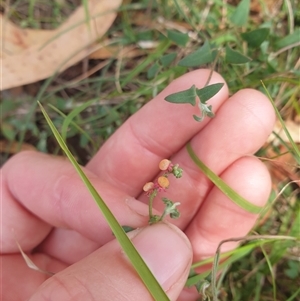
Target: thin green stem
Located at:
point(162, 216)
point(212, 69)
point(151, 198)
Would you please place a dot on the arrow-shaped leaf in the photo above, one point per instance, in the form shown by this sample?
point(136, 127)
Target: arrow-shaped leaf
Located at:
point(255, 37)
point(200, 57)
point(235, 57)
point(185, 96)
point(241, 13)
point(208, 92)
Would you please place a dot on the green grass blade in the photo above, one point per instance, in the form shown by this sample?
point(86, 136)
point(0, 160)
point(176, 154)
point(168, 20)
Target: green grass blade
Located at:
point(227, 190)
point(137, 261)
point(159, 51)
point(294, 295)
point(78, 128)
point(198, 58)
point(271, 271)
point(72, 115)
point(295, 149)
point(230, 256)
point(86, 12)
point(241, 13)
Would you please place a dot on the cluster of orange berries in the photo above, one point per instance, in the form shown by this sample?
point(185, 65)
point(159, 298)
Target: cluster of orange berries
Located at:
point(162, 182)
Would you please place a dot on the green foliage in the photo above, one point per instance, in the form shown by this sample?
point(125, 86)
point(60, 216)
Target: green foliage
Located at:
point(255, 37)
point(293, 270)
point(235, 57)
point(179, 38)
point(167, 59)
point(153, 70)
point(295, 150)
point(198, 58)
point(184, 96)
point(288, 40)
point(190, 95)
point(241, 13)
point(228, 191)
point(208, 92)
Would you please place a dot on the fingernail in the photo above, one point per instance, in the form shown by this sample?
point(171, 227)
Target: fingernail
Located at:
point(166, 251)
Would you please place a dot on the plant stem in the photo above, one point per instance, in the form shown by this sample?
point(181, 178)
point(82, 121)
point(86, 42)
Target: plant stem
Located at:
point(212, 68)
point(151, 198)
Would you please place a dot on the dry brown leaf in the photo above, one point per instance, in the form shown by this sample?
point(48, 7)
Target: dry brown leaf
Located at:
point(292, 127)
point(31, 264)
point(272, 5)
point(15, 39)
point(282, 167)
point(12, 147)
point(28, 55)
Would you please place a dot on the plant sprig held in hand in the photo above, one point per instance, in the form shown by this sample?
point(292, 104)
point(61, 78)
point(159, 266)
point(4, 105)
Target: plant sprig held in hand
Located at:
point(161, 184)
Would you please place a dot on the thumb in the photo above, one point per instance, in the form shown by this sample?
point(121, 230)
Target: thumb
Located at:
point(107, 274)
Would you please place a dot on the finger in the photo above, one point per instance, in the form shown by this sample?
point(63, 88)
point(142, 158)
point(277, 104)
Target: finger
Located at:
point(107, 274)
point(219, 218)
point(67, 245)
point(21, 282)
point(157, 131)
point(18, 224)
point(54, 195)
point(240, 127)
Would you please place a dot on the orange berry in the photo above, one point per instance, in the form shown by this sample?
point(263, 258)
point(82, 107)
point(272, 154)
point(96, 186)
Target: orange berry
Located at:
point(148, 186)
point(164, 164)
point(163, 182)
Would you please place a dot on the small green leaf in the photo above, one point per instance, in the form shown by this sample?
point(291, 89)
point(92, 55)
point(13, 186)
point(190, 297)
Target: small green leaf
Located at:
point(204, 95)
point(235, 57)
point(177, 37)
point(6, 106)
point(167, 59)
point(225, 188)
point(127, 229)
point(255, 37)
point(241, 13)
point(205, 111)
point(208, 92)
point(8, 131)
point(185, 96)
point(197, 118)
point(289, 39)
point(153, 70)
point(294, 269)
point(199, 57)
point(224, 38)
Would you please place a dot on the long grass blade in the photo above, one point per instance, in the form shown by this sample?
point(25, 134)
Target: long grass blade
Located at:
point(295, 149)
point(226, 189)
point(78, 128)
point(271, 272)
point(137, 261)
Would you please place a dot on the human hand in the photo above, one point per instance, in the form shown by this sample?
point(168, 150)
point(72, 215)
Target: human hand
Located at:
point(48, 210)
